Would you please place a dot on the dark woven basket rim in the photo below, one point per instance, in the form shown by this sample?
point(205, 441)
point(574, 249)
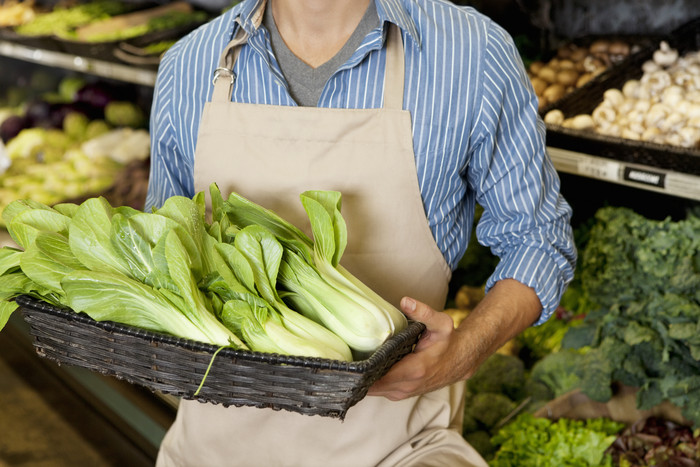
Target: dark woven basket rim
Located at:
point(375, 360)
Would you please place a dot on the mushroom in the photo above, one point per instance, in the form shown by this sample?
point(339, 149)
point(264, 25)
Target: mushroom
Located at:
point(539, 85)
point(613, 97)
point(604, 114)
point(548, 73)
point(567, 77)
point(652, 134)
point(693, 122)
point(650, 66)
point(637, 127)
point(631, 88)
point(690, 136)
point(599, 46)
point(656, 114)
point(593, 64)
point(692, 110)
point(629, 134)
point(611, 129)
point(581, 122)
point(554, 92)
point(642, 105)
point(566, 64)
point(583, 79)
point(672, 95)
point(536, 66)
point(657, 81)
point(618, 50)
point(554, 117)
point(673, 121)
point(665, 55)
point(578, 54)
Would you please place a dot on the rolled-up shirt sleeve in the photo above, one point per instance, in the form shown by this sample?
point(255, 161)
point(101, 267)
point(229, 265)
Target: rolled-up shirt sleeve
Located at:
point(526, 221)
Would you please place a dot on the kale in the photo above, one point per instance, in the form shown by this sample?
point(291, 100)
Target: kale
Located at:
point(643, 276)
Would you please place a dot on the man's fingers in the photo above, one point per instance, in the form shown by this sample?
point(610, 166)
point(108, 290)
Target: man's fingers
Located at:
point(417, 311)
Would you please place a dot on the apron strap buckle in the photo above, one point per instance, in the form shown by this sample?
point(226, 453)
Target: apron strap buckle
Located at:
point(222, 71)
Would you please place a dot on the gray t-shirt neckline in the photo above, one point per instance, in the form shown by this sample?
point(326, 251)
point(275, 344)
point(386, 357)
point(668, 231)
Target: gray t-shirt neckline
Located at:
point(305, 82)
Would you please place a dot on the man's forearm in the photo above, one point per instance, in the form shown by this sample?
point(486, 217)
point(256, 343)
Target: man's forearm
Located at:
point(507, 309)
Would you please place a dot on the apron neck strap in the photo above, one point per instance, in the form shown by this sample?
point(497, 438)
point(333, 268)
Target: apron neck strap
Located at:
point(393, 76)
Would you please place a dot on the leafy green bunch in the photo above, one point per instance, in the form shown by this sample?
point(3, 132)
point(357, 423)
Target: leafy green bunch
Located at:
point(644, 277)
point(539, 442)
point(218, 282)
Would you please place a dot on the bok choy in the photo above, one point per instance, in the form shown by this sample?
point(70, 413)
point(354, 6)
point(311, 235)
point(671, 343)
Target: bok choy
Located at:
point(314, 281)
point(246, 278)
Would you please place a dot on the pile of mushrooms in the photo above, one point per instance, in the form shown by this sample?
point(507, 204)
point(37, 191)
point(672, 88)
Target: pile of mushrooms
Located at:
point(573, 66)
point(662, 106)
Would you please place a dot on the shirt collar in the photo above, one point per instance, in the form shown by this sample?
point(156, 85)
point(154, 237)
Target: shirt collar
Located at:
point(251, 12)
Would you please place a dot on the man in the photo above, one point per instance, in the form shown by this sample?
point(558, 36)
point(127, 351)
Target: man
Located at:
point(414, 110)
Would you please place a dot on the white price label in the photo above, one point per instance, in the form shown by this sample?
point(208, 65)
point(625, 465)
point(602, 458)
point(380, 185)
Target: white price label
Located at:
point(598, 168)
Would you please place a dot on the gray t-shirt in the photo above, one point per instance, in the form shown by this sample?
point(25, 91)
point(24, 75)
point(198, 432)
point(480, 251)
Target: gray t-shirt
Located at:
point(305, 82)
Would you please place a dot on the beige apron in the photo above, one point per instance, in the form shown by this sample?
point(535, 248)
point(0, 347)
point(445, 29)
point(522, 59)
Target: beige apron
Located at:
point(271, 154)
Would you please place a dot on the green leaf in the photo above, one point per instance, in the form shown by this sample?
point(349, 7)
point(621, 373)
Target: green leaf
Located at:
point(189, 214)
point(264, 254)
point(682, 331)
point(113, 297)
point(635, 333)
point(21, 205)
point(193, 304)
point(67, 209)
point(9, 259)
point(26, 225)
point(234, 268)
point(243, 212)
point(48, 260)
point(89, 237)
point(327, 224)
point(6, 309)
point(136, 248)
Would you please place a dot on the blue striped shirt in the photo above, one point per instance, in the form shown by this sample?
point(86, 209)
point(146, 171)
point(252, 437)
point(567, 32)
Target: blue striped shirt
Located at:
point(477, 136)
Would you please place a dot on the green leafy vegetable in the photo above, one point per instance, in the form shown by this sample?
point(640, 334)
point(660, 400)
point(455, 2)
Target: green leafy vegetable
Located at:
point(228, 282)
point(528, 442)
point(643, 276)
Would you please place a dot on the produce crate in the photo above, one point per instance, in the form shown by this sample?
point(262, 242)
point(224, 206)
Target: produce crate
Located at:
point(310, 386)
point(586, 98)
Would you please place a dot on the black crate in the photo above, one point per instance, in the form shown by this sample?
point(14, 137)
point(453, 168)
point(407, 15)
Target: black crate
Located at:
point(585, 99)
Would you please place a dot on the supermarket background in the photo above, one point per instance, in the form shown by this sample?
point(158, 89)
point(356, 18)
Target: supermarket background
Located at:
point(623, 119)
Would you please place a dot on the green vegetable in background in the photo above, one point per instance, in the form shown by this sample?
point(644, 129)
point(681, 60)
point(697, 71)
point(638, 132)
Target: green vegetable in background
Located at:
point(538, 442)
point(499, 374)
point(644, 277)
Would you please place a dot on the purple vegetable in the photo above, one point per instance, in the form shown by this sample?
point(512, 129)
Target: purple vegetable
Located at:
point(37, 112)
point(12, 126)
point(95, 94)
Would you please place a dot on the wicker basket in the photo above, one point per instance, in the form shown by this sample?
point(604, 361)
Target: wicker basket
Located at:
point(586, 98)
point(310, 386)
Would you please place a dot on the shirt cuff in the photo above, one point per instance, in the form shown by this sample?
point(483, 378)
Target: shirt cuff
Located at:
point(534, 268)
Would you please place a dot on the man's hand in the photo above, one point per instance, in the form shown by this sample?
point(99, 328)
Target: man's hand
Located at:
point(445, 355)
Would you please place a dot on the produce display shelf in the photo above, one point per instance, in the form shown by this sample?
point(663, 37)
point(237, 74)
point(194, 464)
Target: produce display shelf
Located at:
point(92, 66)
point(634, 175)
